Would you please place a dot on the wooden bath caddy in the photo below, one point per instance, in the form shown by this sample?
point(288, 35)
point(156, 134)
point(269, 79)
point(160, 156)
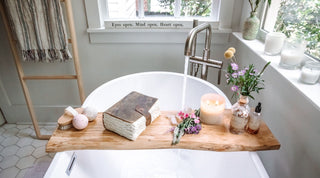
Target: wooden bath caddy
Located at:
point(157, 136)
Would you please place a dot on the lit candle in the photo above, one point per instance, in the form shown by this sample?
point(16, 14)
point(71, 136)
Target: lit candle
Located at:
point(212, 108)
point(274, 42)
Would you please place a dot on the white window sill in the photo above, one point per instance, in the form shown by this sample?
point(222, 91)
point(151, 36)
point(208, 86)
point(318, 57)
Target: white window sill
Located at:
point(159, 36)
point(311, 92)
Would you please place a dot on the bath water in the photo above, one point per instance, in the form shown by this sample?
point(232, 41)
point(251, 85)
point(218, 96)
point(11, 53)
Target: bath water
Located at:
point(184, 85)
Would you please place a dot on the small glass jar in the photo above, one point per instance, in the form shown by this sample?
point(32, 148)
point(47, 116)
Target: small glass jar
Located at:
point(240, 112)
point(292, 53)
point(254, 122)
point(274, 43)
point(310, 72)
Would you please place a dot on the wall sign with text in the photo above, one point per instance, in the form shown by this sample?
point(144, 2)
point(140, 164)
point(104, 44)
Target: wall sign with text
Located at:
point(147, 25)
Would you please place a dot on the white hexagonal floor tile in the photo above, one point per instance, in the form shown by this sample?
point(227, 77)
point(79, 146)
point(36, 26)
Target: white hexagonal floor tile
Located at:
point(25, 132)
point(25, 162)
point(10, 172)
point(51, 127)
point(46, 158)
point(9, 126)
point(25, 141)
point(1, 147)
point(33, 135)
point(22, 173)
point(25, 151)
point(10, 150)
point(38, 143)
point(2, 130)
point(44, 131)
point(2, 138)
point(39, 152)
point(52, 154)
point(8, 162)
point(10, 141)
point(23, 126)
point(10, 132)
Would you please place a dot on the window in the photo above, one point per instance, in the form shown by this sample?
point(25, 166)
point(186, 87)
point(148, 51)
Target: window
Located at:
point(158, 13)
point(157, 21)
point(296, 18)
point(118, 9)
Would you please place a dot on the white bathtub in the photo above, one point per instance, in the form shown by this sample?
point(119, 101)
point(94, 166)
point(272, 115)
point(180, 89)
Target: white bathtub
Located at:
point(165, 163)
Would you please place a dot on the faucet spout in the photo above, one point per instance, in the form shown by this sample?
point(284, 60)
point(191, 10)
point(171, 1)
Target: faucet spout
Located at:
point(204, 61)
point(193, 34)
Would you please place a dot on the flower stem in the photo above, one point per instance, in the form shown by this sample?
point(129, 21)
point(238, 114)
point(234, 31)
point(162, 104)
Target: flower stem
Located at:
point(251, 5)
point(264, 68)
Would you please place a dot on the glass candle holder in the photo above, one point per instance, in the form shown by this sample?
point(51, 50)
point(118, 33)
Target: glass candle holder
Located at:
point(212, 108)
point(274, 43)
point(254, 122)
point(310, 72)
point(292, 53)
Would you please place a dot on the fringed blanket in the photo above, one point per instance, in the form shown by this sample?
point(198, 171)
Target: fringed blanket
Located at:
point(39, 27)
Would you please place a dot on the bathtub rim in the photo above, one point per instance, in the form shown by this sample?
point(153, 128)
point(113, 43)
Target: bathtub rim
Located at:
point(87, 100)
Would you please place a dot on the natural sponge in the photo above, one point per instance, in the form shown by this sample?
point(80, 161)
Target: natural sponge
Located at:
point(91, 113)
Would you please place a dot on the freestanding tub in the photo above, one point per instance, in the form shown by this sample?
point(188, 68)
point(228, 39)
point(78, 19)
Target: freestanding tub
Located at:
point(159, 163)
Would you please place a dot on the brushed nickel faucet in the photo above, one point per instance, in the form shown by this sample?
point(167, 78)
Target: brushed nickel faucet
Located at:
point(204, 61)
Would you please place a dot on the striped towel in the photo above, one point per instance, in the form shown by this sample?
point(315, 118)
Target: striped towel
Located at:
point(39, 28)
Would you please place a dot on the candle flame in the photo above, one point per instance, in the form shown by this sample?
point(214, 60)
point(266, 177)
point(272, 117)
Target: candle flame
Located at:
point(217, 103)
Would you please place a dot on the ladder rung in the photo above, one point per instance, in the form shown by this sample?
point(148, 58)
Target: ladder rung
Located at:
point(50, 77)
point(69, 40)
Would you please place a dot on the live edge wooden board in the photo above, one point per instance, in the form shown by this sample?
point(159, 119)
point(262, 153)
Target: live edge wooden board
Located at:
point(157, 136)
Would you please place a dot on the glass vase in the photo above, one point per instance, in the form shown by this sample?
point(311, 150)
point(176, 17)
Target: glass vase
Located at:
point(251, 27)
point(240, 113)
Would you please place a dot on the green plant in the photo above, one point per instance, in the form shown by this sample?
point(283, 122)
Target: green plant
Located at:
point(254, 5)
point(189, 7)
point(301, 19)
point(244, 81)
point(190, 125)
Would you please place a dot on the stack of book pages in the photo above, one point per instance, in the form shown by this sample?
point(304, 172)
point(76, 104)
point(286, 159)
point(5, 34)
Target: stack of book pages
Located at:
point(131, 115)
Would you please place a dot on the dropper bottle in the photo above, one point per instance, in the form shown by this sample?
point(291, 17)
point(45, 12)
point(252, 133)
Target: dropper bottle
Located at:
point(253, 125)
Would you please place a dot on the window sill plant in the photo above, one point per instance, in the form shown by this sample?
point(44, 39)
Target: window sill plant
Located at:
point(251, 25)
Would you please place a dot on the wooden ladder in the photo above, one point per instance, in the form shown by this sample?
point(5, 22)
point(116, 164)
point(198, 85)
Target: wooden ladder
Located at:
point(23, 78)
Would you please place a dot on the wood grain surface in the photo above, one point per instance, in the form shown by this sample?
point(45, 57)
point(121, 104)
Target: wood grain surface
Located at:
point(157, 136)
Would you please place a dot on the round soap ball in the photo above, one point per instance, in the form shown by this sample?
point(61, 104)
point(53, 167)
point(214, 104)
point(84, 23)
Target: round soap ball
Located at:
point(91, 113)
point(80, 121)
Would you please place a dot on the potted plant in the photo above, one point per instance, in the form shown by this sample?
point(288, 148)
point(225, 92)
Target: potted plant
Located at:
point(251, 25)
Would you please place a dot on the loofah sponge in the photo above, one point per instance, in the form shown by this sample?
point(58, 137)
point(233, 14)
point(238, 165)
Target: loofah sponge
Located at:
point(91, 113)
point(80, 121)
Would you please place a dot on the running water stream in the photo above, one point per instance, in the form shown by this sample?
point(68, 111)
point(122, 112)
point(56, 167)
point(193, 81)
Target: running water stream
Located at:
point(184, 85)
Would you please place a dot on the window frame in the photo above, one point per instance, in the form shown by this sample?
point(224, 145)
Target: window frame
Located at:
point(263, 33)
point(97, 12)
point(98, 34)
